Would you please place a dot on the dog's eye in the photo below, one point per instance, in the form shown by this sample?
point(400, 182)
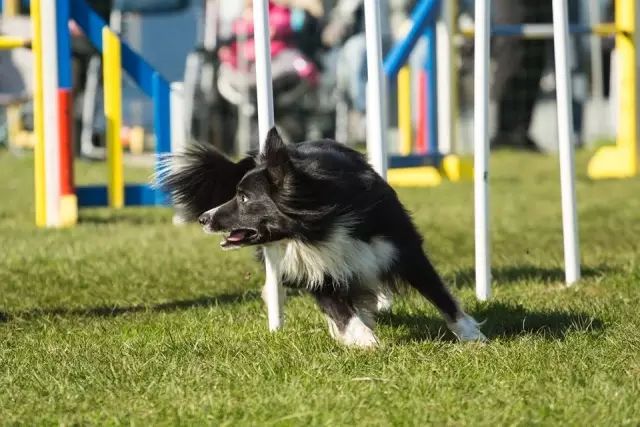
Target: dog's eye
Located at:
point(244, 198)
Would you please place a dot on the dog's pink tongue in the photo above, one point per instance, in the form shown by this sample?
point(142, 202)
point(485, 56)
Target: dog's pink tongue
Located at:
point(237, 236)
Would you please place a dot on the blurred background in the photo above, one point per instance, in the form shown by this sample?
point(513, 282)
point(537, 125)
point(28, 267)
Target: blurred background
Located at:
point(319, 68)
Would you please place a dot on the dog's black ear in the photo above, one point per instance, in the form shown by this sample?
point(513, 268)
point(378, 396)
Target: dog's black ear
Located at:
point(275, 150)
point(276, 157)
point(201, 178)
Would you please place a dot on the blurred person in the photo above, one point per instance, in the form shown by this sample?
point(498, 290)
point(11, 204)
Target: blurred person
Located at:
point(344, 35)
point(519, 65)
point(287, 61)
point(295, 76)
point(82, 51)
point(345, 32)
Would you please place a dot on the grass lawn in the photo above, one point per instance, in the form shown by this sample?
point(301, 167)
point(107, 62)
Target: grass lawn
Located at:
point(126, 319)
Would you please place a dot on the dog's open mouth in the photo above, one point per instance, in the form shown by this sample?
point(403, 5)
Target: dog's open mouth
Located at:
point(239, 237)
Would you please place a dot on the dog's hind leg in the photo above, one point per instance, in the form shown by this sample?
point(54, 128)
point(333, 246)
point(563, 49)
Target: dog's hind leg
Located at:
point(376, 299)
point(348, 324)
point(417, 271)
point(384, 299)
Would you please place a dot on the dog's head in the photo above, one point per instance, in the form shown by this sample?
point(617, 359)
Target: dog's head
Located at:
point(253, 216)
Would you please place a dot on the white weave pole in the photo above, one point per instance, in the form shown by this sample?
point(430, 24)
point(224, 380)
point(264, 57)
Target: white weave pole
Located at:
point(51, 113)
point(272, 292)
point(565, 120)
point(481, 148)
point(376, 107)
point(446, 90)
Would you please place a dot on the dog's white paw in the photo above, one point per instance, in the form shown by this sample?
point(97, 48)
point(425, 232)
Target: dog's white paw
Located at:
point(358, 334)
point(465, 328)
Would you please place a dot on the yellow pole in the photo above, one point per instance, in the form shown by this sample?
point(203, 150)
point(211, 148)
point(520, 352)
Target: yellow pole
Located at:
point(621, 160)
point(10, 42)
point(404, 110)
point(38, 110)
point(627, 140)
point(113, 113)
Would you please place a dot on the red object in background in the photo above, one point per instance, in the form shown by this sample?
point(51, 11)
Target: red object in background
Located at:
point(279, 26)
point(422, 131)
point(66, 153)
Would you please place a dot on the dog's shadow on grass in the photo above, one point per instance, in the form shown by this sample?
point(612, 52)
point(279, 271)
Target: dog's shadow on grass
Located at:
point(107, 311)
point(501, 320)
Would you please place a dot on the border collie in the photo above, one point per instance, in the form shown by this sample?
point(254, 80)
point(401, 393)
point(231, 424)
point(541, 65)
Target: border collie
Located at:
point(335, 227)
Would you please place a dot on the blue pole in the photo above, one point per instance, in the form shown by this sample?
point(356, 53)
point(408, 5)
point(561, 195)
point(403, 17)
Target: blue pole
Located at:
point(161, 114)
point(423, 14)
point(161, 123)
point(64, 44)
point(90, 22)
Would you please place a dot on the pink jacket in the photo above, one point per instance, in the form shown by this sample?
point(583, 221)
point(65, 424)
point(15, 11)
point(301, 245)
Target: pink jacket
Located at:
point(281, 39)
point(280, 26)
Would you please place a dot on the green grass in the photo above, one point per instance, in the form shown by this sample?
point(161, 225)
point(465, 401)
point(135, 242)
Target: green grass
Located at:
point(125, 319)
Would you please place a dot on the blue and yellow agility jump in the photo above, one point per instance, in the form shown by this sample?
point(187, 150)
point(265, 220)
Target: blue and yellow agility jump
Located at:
point(421, 161)
point(623, 159)
point(57, 199)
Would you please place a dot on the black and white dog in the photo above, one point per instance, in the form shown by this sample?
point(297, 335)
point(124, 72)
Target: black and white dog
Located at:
point(333, 225)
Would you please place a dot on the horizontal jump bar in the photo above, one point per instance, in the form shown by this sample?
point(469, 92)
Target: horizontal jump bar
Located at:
point(10, 42)
point(414, 160)
point(134, 195)
point(544, 31)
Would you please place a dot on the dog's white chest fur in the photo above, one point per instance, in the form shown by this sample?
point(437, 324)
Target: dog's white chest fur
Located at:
point(341, 257)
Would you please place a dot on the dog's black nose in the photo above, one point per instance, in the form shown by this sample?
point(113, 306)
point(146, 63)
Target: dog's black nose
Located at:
point(203, 219)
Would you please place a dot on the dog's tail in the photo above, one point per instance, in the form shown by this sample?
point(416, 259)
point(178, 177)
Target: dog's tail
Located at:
point(200, 178)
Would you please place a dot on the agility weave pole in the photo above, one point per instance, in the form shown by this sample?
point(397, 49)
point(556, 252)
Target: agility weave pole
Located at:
point(621, 160)
point(447, 78)
point(376, 89)
point(481, 146)
point(376, 120)
point(273, 293)
point(566, 147)
point(57, 200)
